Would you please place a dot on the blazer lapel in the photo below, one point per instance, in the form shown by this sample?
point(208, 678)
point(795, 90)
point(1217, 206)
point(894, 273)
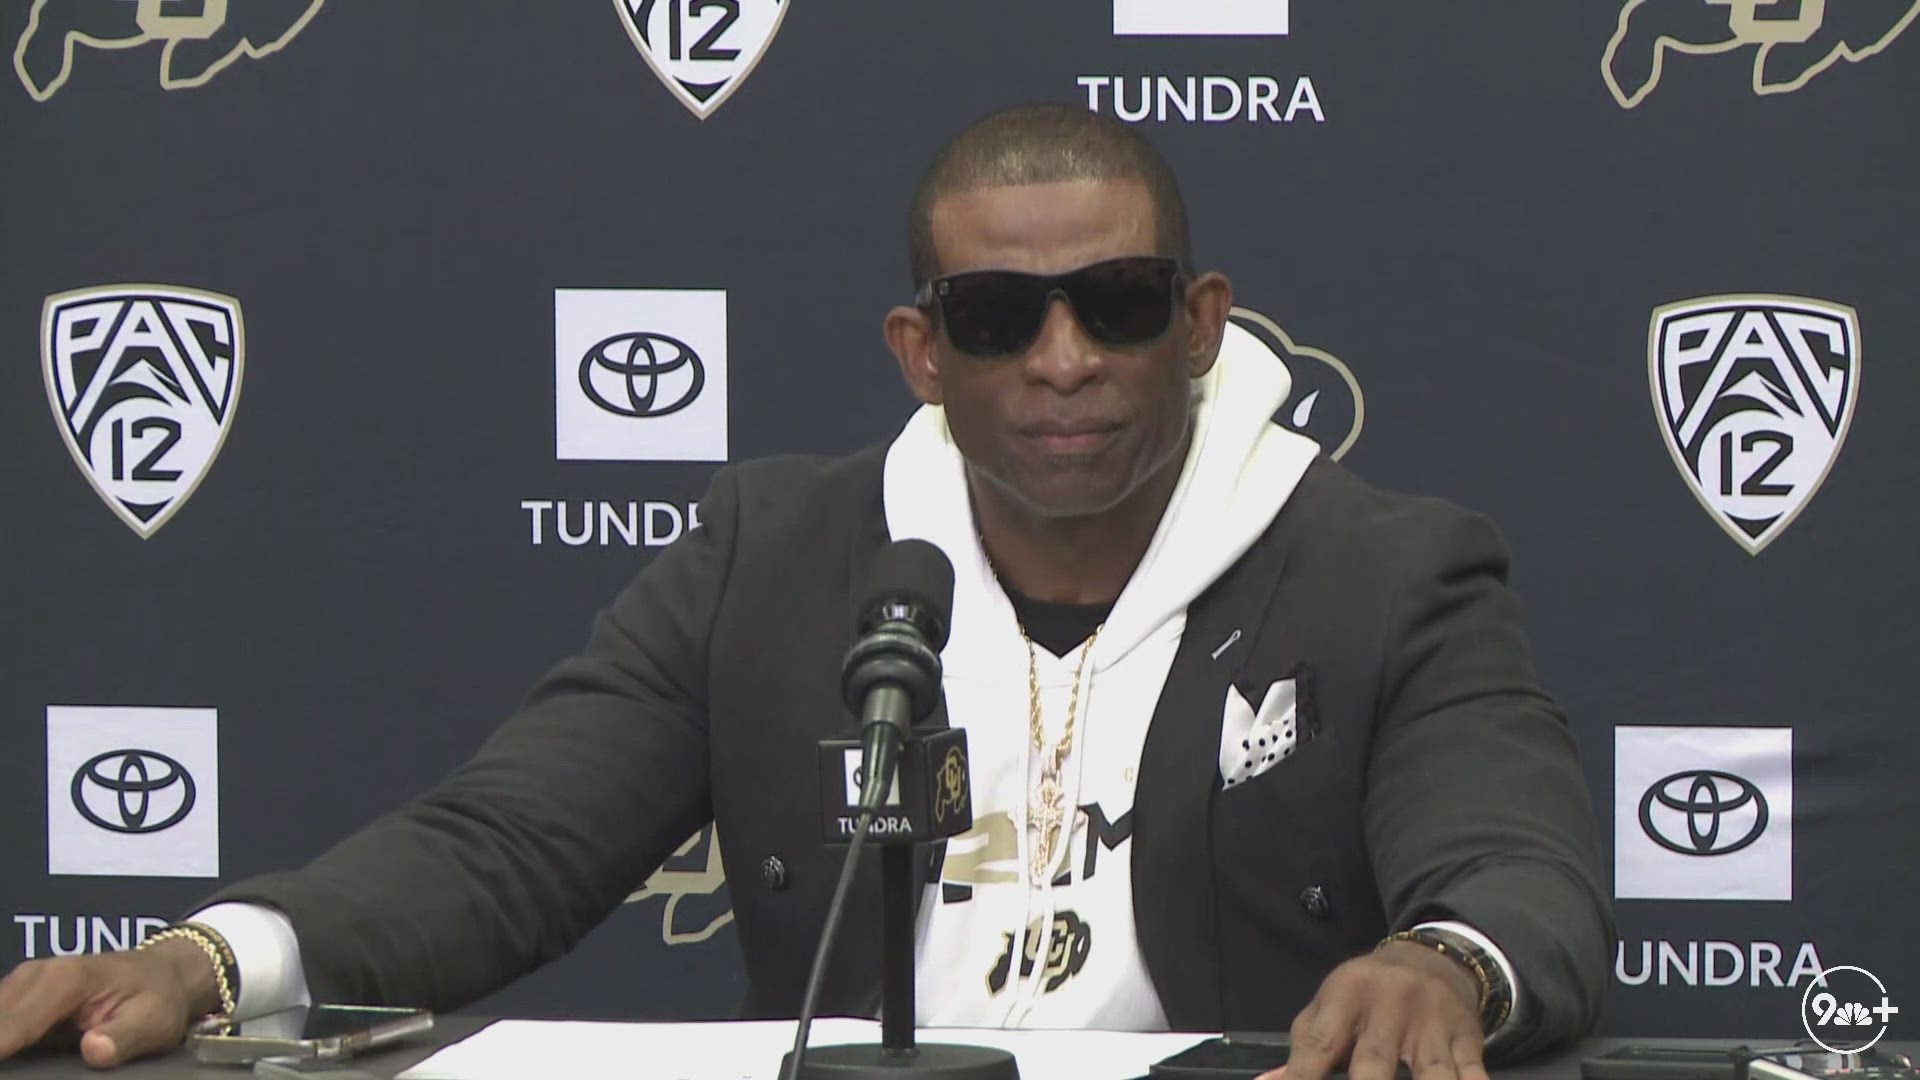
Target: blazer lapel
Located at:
point(1173, 871)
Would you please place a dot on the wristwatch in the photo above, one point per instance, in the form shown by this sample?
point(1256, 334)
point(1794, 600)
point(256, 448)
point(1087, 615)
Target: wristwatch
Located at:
point(1496, 995)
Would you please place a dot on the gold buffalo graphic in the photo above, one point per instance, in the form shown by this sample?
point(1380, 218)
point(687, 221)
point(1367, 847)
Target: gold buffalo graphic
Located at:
point(1793, 40)
point(693, 872)
point(200, 38)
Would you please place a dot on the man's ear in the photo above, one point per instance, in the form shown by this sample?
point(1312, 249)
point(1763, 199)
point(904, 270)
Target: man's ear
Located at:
point(1209, 301)
point(910, 335)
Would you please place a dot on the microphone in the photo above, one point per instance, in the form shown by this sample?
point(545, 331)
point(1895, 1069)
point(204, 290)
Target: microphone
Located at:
point(891, 676)
point(891, 679)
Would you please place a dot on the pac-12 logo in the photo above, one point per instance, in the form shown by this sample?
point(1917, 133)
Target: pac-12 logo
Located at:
point(143, 380)
point(702, 49)
point(1754, 395)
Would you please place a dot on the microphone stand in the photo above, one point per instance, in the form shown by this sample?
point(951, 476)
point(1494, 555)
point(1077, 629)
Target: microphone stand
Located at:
point(898, 1056)
point(891, 678)
point(896, 948)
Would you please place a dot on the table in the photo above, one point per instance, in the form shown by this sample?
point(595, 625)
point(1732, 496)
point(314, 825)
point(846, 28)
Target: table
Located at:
point(65, 1065)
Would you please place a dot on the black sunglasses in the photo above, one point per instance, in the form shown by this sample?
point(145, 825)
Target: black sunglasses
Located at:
point(1120, 303)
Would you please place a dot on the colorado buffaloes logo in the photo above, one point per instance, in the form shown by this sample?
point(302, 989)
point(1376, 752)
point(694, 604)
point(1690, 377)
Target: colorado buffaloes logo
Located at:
point(1325, 403)
point(693, 872)
point(1067, 949)
point(952, 790)
point(201, 38)
point(1754, 395)
point(143, 380)
point(701, 49)
point(1793, 40)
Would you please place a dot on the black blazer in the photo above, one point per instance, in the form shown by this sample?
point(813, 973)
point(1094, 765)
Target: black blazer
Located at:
point(1433, 778)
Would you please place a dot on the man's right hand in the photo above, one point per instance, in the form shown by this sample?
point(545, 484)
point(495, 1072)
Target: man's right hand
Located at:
point(120, 1006)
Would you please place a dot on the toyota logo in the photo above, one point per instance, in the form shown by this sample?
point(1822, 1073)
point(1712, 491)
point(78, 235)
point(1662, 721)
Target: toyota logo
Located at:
point(635, 364)
point(1709, 796)
point(128, 781)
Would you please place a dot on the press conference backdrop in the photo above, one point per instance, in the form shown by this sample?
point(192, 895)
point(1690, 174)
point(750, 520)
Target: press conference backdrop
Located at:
point(357, 352)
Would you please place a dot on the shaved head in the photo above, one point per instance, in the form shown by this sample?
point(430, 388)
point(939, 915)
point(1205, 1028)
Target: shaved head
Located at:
point(1043, 144)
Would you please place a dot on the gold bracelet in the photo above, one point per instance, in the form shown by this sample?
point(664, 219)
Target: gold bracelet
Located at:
point(217, 951)
point(1461, 956)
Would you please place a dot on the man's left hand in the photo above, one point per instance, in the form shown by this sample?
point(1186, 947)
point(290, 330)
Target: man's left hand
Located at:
point(1403, 1002)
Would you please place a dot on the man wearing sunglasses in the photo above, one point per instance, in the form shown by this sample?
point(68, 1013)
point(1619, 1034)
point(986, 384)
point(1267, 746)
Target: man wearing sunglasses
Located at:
point(1254, 746)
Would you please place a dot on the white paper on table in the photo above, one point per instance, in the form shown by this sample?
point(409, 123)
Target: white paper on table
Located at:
point(751, 1050)
point(715, 1050)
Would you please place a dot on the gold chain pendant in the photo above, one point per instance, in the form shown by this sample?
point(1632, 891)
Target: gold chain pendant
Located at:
point(1045, 816)
point(1047, 806)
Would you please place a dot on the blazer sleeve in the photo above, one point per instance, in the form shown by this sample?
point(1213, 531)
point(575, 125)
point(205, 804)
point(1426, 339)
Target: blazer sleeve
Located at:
point(567, 807)
point(1477, 809)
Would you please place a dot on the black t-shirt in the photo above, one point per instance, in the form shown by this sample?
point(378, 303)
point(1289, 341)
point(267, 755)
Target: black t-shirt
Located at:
point(1057, 628)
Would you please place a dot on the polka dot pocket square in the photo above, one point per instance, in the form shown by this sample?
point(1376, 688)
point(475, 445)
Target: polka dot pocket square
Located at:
point(1251, 742)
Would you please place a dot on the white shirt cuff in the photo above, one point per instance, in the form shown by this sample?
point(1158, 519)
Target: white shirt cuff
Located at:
point(267, 954)
point(1500, 958)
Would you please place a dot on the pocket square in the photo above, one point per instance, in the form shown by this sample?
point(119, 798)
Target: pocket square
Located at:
point(1251, 742)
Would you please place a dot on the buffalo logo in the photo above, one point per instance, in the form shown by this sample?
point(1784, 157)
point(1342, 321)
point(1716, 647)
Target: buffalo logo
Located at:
point(1754, 395)
point(634, 366)
point(1707, 800)
point(1067, 949)
point(1324, 403)
point(143, 380)
point(953, 786)
point(1793, 40)
point(702, 49)
point(133, 791)
point(694, 871)
point(200, 38)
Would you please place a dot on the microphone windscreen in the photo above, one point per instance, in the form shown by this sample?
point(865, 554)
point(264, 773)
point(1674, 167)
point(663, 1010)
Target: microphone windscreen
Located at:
point(918, 574)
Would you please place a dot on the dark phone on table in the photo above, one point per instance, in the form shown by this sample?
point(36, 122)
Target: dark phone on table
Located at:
point(316, 1031)
point(1660, 1063)
point(1727, 1063)
point(1807, 1062)
point(1235, 1056)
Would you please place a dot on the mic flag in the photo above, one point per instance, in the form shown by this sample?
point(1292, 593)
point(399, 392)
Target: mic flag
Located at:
point(930, 799)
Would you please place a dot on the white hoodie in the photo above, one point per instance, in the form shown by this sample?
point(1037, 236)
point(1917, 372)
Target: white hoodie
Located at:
point(1239, 471)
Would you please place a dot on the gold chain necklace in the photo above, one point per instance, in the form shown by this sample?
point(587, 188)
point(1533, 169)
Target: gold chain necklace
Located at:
point(1047, 804)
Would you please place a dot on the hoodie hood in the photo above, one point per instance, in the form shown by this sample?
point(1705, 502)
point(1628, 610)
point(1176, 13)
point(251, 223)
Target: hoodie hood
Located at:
point(1240, 469)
